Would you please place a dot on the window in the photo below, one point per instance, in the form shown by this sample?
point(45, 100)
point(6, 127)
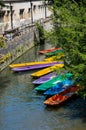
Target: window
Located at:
point(29, 10)
point(21, 11)
point(2, 13)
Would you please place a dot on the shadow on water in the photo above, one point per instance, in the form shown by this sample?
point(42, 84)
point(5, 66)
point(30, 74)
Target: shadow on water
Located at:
point(42, 47)
point(77, 106)
point(4, 80)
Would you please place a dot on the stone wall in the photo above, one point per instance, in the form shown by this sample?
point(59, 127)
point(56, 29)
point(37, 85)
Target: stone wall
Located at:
point(26, 39)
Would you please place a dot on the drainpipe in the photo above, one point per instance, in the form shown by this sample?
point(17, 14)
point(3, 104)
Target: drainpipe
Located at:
point(45, 9)
point(11, 16)
point(31, 5)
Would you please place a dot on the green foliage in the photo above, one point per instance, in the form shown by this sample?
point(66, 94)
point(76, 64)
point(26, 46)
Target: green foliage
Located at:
point(2, 4)
point(69, 32)
point(41, 33)
point(2, 42)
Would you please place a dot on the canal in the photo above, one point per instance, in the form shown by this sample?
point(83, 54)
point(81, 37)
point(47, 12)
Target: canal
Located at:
point(22, 108)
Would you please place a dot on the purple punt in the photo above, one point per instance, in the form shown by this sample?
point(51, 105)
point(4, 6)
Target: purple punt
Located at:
point(45, 78)
point(34, 67)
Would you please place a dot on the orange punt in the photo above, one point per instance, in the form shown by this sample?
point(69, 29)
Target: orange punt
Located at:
point(59, 98)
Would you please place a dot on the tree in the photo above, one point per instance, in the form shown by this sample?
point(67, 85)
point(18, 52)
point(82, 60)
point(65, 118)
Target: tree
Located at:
point(2, 4)
point(2, 39)
point(69, 19)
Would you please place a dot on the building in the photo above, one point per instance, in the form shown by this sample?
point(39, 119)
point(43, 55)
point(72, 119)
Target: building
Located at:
point(22, 12)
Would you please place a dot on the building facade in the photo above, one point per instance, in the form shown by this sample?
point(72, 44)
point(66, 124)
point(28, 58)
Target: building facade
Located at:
point(20, 12)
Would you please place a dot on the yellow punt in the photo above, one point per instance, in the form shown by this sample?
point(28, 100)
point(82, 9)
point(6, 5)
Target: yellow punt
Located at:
point(54, 57)
point(47, 70)
point(30, 63)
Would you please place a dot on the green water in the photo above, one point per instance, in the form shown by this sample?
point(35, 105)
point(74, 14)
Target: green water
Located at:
point(22, 108)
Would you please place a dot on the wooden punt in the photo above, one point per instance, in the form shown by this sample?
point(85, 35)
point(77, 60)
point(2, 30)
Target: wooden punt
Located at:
point(29, 64)
point(60, 87)
point(59, 98)
point(54, 53)
point(47, 70)
point(34, 67)
point(52, 82)
point(53, 58)
point(45, 78)
point(49, 50)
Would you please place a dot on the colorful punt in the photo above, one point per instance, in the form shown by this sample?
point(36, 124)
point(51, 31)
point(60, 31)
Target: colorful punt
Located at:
point(47, 70)
point(60, 87)
point(29, 64)
point(45, 86)
point(34, 67)
point(60, 98)
point(45, 78)
point(49, 50)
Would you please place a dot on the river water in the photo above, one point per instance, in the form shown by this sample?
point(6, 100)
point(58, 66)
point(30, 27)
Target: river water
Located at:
point(22, 108)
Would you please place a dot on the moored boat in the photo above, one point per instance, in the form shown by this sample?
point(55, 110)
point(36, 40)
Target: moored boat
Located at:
point(46, 70)
point(34, 67)
point(59, 87)
point(29, 64)
point(59, 98)
point(53, 82)
point(49, 50)
point(50, 58)
point(54, 53)
point(53, 58)
point(45, 78)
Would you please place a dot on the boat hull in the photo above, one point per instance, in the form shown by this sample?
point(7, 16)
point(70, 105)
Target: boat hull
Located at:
point(45, 78)
point(53, 82)
point(49, 50)
point(29, 64)
point(54, 53)
point(59, 87)
point(53, 58)
point(47, 70)
point(34, 67)
point(59, 98)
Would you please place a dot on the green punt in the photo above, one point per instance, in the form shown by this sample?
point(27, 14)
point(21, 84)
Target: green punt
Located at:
point(54, 53)
point(52, 82)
